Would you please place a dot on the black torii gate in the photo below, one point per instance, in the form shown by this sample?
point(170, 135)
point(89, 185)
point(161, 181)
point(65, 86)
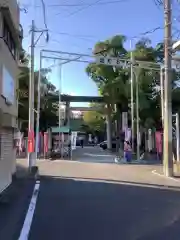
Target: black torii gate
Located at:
point(69, 98)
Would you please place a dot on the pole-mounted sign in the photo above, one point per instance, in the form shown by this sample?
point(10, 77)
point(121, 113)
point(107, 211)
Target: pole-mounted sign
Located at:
point(116, 62)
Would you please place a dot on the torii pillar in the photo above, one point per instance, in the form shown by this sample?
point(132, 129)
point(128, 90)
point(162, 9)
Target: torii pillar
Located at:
point(67, 114)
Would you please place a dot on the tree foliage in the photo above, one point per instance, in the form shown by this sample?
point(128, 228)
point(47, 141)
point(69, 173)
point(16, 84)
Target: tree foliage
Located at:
point(114, 82)
point(48, 114)
point(94, 121)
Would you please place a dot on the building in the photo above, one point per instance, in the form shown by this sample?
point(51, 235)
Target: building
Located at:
point(10, 44)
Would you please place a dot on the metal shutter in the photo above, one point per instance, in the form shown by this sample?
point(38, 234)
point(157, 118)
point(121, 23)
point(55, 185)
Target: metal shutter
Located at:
point(6, 160)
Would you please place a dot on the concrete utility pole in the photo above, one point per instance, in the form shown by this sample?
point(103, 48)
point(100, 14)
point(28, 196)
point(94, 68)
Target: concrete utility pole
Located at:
point(137, 115)
point(168, 156)
point(132, 96)
point(60, 79)
point(38, 107)
point(31, 93)
point(162, 93)
point(177, 137)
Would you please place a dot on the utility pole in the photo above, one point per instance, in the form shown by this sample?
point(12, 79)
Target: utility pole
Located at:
point(60, 79)
point(38, 107)
point(31, 94)
point(132, 96)
point(168, 156)
point(162, 93)
point(177, 136)
point(137, 115)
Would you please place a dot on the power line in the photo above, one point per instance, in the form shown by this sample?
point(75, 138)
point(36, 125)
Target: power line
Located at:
point(158, 2)
point(45, 20)
point(86, 4)
point(83, 8)
point(82, 37)
point(96, 3)
point(80, 4)
point(44, 13)
point(147, 32)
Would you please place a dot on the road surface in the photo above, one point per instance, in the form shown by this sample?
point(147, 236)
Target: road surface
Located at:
point(85, 200)
point(93, 154)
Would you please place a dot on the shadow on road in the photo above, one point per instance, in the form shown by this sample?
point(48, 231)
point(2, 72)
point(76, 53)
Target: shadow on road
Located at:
point(111, 181)
point(14, 203)
point(86, 210)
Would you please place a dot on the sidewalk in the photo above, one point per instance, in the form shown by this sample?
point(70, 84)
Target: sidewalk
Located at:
point(140, 161)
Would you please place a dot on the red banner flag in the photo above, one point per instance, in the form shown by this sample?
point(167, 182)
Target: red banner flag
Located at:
point(31, 141)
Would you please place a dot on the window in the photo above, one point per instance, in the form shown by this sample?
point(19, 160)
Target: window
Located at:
point(7, 36)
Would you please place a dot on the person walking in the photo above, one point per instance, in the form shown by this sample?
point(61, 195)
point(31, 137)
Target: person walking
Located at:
point(127, 151)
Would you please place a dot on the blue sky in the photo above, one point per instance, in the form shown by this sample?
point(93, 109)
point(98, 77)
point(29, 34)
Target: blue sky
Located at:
point(76, 30)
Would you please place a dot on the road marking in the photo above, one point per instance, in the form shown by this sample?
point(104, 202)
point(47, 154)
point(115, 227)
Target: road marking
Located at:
point(29, 216)
point(161, 175)
point(97, 155)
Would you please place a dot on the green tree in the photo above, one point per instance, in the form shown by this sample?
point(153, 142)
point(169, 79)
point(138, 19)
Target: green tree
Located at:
point(94, 121)
point(48, 114)
point(113, 83)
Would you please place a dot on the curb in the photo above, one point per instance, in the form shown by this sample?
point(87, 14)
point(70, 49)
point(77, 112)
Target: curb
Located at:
point(34, 173)
point(161, 175)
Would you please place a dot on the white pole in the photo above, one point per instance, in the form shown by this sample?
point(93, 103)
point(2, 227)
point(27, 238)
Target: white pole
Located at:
point(38, 107)
point(168, 156)
point(132, 96)
point(137, 115)
point(162, 93)
point(60, 69)
point(31, 94)
point(177, 136)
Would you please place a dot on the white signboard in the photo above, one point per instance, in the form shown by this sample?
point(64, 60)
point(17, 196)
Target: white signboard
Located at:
point(8, 90)
point(73, 140)
point(128, 134)
point(90, 137)
point(124, 121)
point(116, 62)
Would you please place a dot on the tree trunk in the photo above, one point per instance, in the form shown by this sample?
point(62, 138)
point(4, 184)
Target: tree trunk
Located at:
point(109, 127)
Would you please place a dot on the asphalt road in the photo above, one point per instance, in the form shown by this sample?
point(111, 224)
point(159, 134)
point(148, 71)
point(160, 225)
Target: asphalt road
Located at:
point(13, 207)
point(83, 209)
point(93, 154)
point(89, 200)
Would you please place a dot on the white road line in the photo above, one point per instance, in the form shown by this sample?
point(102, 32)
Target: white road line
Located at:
point(161, 175)
point(29, 216)
point(97, 155)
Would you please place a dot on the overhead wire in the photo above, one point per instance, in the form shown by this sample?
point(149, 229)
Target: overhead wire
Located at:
point(83, 8)
point(80, 4)
point(44, 13)
point(146, 32)
point(80, 37)
point(45, 19)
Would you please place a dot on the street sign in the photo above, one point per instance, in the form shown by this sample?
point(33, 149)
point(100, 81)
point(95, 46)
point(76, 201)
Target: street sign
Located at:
point(125, 63)
point(73, 140)
point(116, 62)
